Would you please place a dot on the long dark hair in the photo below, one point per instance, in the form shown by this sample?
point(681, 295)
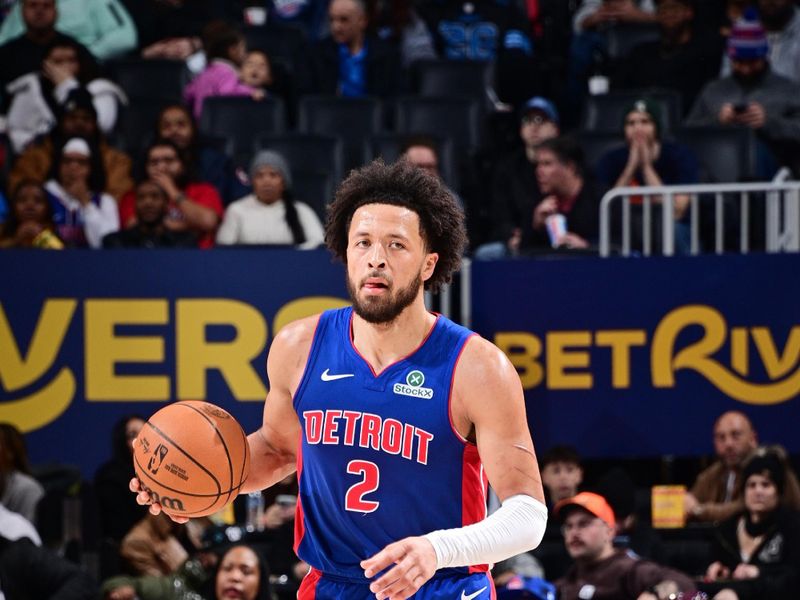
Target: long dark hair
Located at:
point(292, 218)
point(182, 180)
point(97, 170)
point(9, 228)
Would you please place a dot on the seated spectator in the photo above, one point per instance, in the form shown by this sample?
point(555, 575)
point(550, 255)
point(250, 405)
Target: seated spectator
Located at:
point(308, 15)
point(19, 491)
point(30, 220)
point(270, 215)
point(715, 495)
point(31, 571)
point(117, 509)
point(515, 190)
point(204, 160)
point(259, 72)
point(225, 52)
point(589, 528)
point(757, 554)
point(150, 229)
point(25, 53)
point(648, 160)
point(399, 23)
point(78, 118)
point(781, 21)
point(755, 97)
point(193, 206)
point(36, 97)
point(567, 192)
point(82, 212)
point(105, 28)
point(420, 150)
point(350, 62)
point(562, 473)
point(521, 588)
point(157, 545)
point(680, 60)
point(238, 572)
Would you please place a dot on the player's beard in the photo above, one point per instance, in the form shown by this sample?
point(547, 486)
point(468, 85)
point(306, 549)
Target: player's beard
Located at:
point(386, 308)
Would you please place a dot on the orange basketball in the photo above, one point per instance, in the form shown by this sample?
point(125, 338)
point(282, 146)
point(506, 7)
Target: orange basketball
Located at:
point(192, 457)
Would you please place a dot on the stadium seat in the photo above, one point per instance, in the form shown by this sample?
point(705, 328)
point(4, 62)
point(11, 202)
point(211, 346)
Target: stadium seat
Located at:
point(150, 78)
point(437, 77)
point(315, 188)
point(307, 152)
point(604, 113)
point(242, 120)
point(136, 126)
point(389, 146)
point(624, 38)
point(280, 41)
point(725, 154)
point(456, 118)
point(594, 144)
point(354, 120)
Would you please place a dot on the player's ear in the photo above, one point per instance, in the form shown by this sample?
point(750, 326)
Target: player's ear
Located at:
point(430, 265)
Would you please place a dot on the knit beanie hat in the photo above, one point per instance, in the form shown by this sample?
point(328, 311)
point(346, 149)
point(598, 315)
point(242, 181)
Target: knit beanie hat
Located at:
point(270, 158)
point(766, 462)
point(747, 41)
point(645, 105)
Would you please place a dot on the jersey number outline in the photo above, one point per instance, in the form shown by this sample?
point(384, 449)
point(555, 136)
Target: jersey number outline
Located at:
point(370, 480)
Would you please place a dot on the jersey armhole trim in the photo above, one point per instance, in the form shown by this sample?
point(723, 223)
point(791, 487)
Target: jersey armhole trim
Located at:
point(310, 359)
point(460, 437)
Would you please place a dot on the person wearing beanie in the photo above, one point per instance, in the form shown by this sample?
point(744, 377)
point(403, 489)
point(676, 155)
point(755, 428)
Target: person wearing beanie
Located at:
point(755, 97)
point(647, 159)
point(270, 215)
point(757, 554)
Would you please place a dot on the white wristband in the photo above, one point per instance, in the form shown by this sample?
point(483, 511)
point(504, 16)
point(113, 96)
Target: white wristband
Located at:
point(516, 527)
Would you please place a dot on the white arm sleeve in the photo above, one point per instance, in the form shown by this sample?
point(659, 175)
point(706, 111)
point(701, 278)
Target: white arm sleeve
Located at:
point(516, 527)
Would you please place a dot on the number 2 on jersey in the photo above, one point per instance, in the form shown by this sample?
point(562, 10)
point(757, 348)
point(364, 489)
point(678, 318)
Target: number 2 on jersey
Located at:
point(370, 479)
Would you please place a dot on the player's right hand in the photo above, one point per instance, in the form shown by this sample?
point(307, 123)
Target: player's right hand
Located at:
point(143, 497)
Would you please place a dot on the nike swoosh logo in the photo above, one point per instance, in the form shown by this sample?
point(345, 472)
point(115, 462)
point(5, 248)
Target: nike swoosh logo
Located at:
point(328, 377)
point(464, 595)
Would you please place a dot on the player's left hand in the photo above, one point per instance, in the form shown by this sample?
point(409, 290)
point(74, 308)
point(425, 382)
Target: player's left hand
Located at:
point(414, 561)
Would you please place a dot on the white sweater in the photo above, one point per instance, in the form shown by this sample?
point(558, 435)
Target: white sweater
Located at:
point(250, 221)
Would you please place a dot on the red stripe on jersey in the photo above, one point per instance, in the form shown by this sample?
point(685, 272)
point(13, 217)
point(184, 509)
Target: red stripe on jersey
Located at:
point(308, 587)
point(299, 528)
point(473, 493)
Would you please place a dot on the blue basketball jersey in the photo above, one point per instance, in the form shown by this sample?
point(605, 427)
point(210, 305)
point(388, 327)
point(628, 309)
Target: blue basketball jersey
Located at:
point(380, 460)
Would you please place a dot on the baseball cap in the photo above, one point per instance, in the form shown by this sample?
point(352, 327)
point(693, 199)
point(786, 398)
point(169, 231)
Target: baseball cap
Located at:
point(648, 106)
point(542, 105)
point(590, 502)
point(527, 587)
point(77, 146)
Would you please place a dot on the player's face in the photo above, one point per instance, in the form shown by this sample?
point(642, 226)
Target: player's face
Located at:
point(387, 261)
point(562, 479)
point(238, 575)
point(760, 494)
point(734, 439)
point(585, 535)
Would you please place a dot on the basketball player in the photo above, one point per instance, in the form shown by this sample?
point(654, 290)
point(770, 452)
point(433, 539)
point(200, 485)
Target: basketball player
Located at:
point(401, 414)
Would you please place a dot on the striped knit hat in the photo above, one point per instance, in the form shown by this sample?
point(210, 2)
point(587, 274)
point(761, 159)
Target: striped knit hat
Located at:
point(747, 41)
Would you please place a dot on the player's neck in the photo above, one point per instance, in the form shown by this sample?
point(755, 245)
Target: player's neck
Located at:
point(385, 343)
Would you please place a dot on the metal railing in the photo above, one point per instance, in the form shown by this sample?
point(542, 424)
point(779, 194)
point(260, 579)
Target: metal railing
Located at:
point(782, 214)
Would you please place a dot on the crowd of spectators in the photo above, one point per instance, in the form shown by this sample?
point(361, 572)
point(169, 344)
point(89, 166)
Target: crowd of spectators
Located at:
point(722, 63)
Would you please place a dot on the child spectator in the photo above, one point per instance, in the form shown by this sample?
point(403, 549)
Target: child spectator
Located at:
point(269, 215)
point(193, 205)
point(83, 212)
point(225, 52)
point(30, 220)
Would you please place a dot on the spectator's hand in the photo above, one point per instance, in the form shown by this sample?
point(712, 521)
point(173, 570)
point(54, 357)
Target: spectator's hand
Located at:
point(166, 183)
point(514, 241)
point(726, 594)
point(27, 232)
point(572, 240)
point(727, 116)
point(545, 208)
point(143, 497)
point(690, 504)
point(124, 592)
point(79, 189)
point(55, 73)
point(755, 116)
point(744, 571)
point(258, 94)
point(717, 570)
point(412, 561)
point(647, 596)
point(300, 570)
point(276, 515)
point(179, 48)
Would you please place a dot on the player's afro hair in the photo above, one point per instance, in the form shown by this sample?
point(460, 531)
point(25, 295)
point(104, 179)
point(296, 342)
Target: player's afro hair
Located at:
point(402, 184)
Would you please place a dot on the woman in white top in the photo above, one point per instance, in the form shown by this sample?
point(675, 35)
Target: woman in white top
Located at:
point(270, 215)
point(82, 213)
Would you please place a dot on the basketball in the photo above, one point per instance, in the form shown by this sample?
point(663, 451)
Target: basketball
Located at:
point(192, 457)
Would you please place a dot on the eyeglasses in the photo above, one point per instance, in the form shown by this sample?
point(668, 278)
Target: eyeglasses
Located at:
point(534, 120)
